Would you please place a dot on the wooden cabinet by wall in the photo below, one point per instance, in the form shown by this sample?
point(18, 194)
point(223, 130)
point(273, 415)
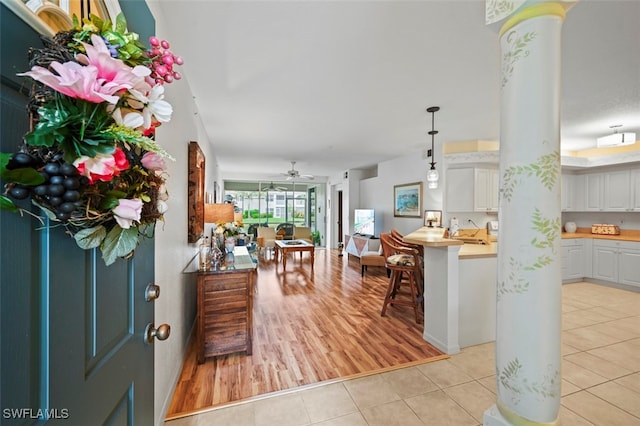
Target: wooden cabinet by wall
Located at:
point(225, 312)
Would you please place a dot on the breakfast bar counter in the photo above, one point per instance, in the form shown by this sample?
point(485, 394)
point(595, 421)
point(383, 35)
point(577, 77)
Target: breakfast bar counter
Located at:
point(459, 290)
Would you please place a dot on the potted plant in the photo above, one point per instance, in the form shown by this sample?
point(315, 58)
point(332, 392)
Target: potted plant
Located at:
point(315, 235)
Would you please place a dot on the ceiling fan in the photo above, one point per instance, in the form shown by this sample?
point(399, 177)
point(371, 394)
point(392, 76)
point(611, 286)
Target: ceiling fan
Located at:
point(294, 174)
point(272, 188)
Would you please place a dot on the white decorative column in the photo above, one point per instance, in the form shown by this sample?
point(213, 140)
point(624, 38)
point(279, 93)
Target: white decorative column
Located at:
point(529, 257)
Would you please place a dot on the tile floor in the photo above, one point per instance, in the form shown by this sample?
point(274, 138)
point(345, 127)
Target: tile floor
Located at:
point(600, 379)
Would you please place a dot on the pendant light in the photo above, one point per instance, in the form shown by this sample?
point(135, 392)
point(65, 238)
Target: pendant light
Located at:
point(432, 174)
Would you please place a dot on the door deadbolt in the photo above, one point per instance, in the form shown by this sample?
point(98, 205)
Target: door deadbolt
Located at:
point(152, 292)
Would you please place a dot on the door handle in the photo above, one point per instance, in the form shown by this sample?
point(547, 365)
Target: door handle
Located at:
point(161, 333)
point(152, 292)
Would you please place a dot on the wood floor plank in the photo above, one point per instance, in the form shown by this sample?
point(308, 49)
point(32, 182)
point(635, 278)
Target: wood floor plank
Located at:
point(309, 326)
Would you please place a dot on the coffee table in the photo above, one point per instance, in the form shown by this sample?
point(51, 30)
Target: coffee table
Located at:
point(282, 247)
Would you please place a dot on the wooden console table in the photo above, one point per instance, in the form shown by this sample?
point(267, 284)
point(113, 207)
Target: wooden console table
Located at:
point(225, 308)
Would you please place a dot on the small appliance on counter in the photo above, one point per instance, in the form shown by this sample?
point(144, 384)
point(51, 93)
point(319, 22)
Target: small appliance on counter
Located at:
point(453, 227)
point(492, 229)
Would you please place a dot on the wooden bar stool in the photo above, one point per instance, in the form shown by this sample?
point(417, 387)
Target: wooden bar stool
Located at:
point(404, 264)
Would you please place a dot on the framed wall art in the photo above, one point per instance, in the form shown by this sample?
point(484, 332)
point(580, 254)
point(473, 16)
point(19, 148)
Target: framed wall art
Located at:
point(195, 190)
point(407, 200)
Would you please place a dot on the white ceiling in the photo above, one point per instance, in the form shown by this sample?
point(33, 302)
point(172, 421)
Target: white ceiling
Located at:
point(336, 85)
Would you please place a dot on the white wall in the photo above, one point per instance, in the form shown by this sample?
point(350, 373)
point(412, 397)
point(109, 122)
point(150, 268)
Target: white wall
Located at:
point(377, 192)
point(176, 305)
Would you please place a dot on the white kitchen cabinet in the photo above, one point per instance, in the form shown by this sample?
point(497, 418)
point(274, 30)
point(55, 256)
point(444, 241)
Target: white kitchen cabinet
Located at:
point(605, 260)
point(574, 259)
point(629, 264)
point(594, 184)
point(634, 191)
point(609, 191)
point(616, 194)
point(617, 261)
point(472, 190)
point(573, 192)
point(486, 190)
point(566, 193)
point(459, 190)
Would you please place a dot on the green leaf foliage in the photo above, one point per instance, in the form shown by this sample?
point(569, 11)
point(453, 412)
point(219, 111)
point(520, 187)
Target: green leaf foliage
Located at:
point(4, 159)
point(89, 238)
point(119, 242)
point(7, 204)
point(24, 176)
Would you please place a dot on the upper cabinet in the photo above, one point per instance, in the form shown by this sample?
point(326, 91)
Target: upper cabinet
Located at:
point(613, 191)
point(486, 190)
point(573, 192)
point(635, 190)
point(472, 189)
point(617, 195)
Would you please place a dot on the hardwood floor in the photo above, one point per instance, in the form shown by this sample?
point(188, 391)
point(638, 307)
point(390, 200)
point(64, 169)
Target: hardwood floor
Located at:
point(309, 326)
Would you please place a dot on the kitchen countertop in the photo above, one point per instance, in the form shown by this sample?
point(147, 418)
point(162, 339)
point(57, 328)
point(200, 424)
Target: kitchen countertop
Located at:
point(477, 251)
point(625, 235)
point(432, 237)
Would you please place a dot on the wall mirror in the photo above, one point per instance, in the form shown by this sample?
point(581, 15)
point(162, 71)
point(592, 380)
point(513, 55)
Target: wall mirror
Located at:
point(195, 190)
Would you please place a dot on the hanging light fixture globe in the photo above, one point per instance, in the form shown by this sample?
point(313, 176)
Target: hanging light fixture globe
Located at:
point(432, 178)
point(432, 174)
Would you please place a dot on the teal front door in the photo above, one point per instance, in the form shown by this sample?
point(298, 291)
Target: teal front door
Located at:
point(73, 347)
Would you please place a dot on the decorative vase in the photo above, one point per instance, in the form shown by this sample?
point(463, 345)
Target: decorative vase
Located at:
point(229, 244)
point(217, 258)
point(570, 227)
point(204, 255)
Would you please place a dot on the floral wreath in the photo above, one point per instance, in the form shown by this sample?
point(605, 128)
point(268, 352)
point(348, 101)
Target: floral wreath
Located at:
point(90, 162)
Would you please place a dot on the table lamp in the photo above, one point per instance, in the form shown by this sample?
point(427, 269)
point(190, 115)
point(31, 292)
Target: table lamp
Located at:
point(431, 217)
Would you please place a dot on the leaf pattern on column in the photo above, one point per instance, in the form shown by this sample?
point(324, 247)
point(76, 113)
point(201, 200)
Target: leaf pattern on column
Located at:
point(513, 378)
point(496, 10)
point(518, 50)
point(547, 230)
point(546, 168)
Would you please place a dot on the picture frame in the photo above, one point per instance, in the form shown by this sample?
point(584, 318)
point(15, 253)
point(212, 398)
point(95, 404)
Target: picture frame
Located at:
point(407, 200)
point(433, 218)
point(195, 191)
